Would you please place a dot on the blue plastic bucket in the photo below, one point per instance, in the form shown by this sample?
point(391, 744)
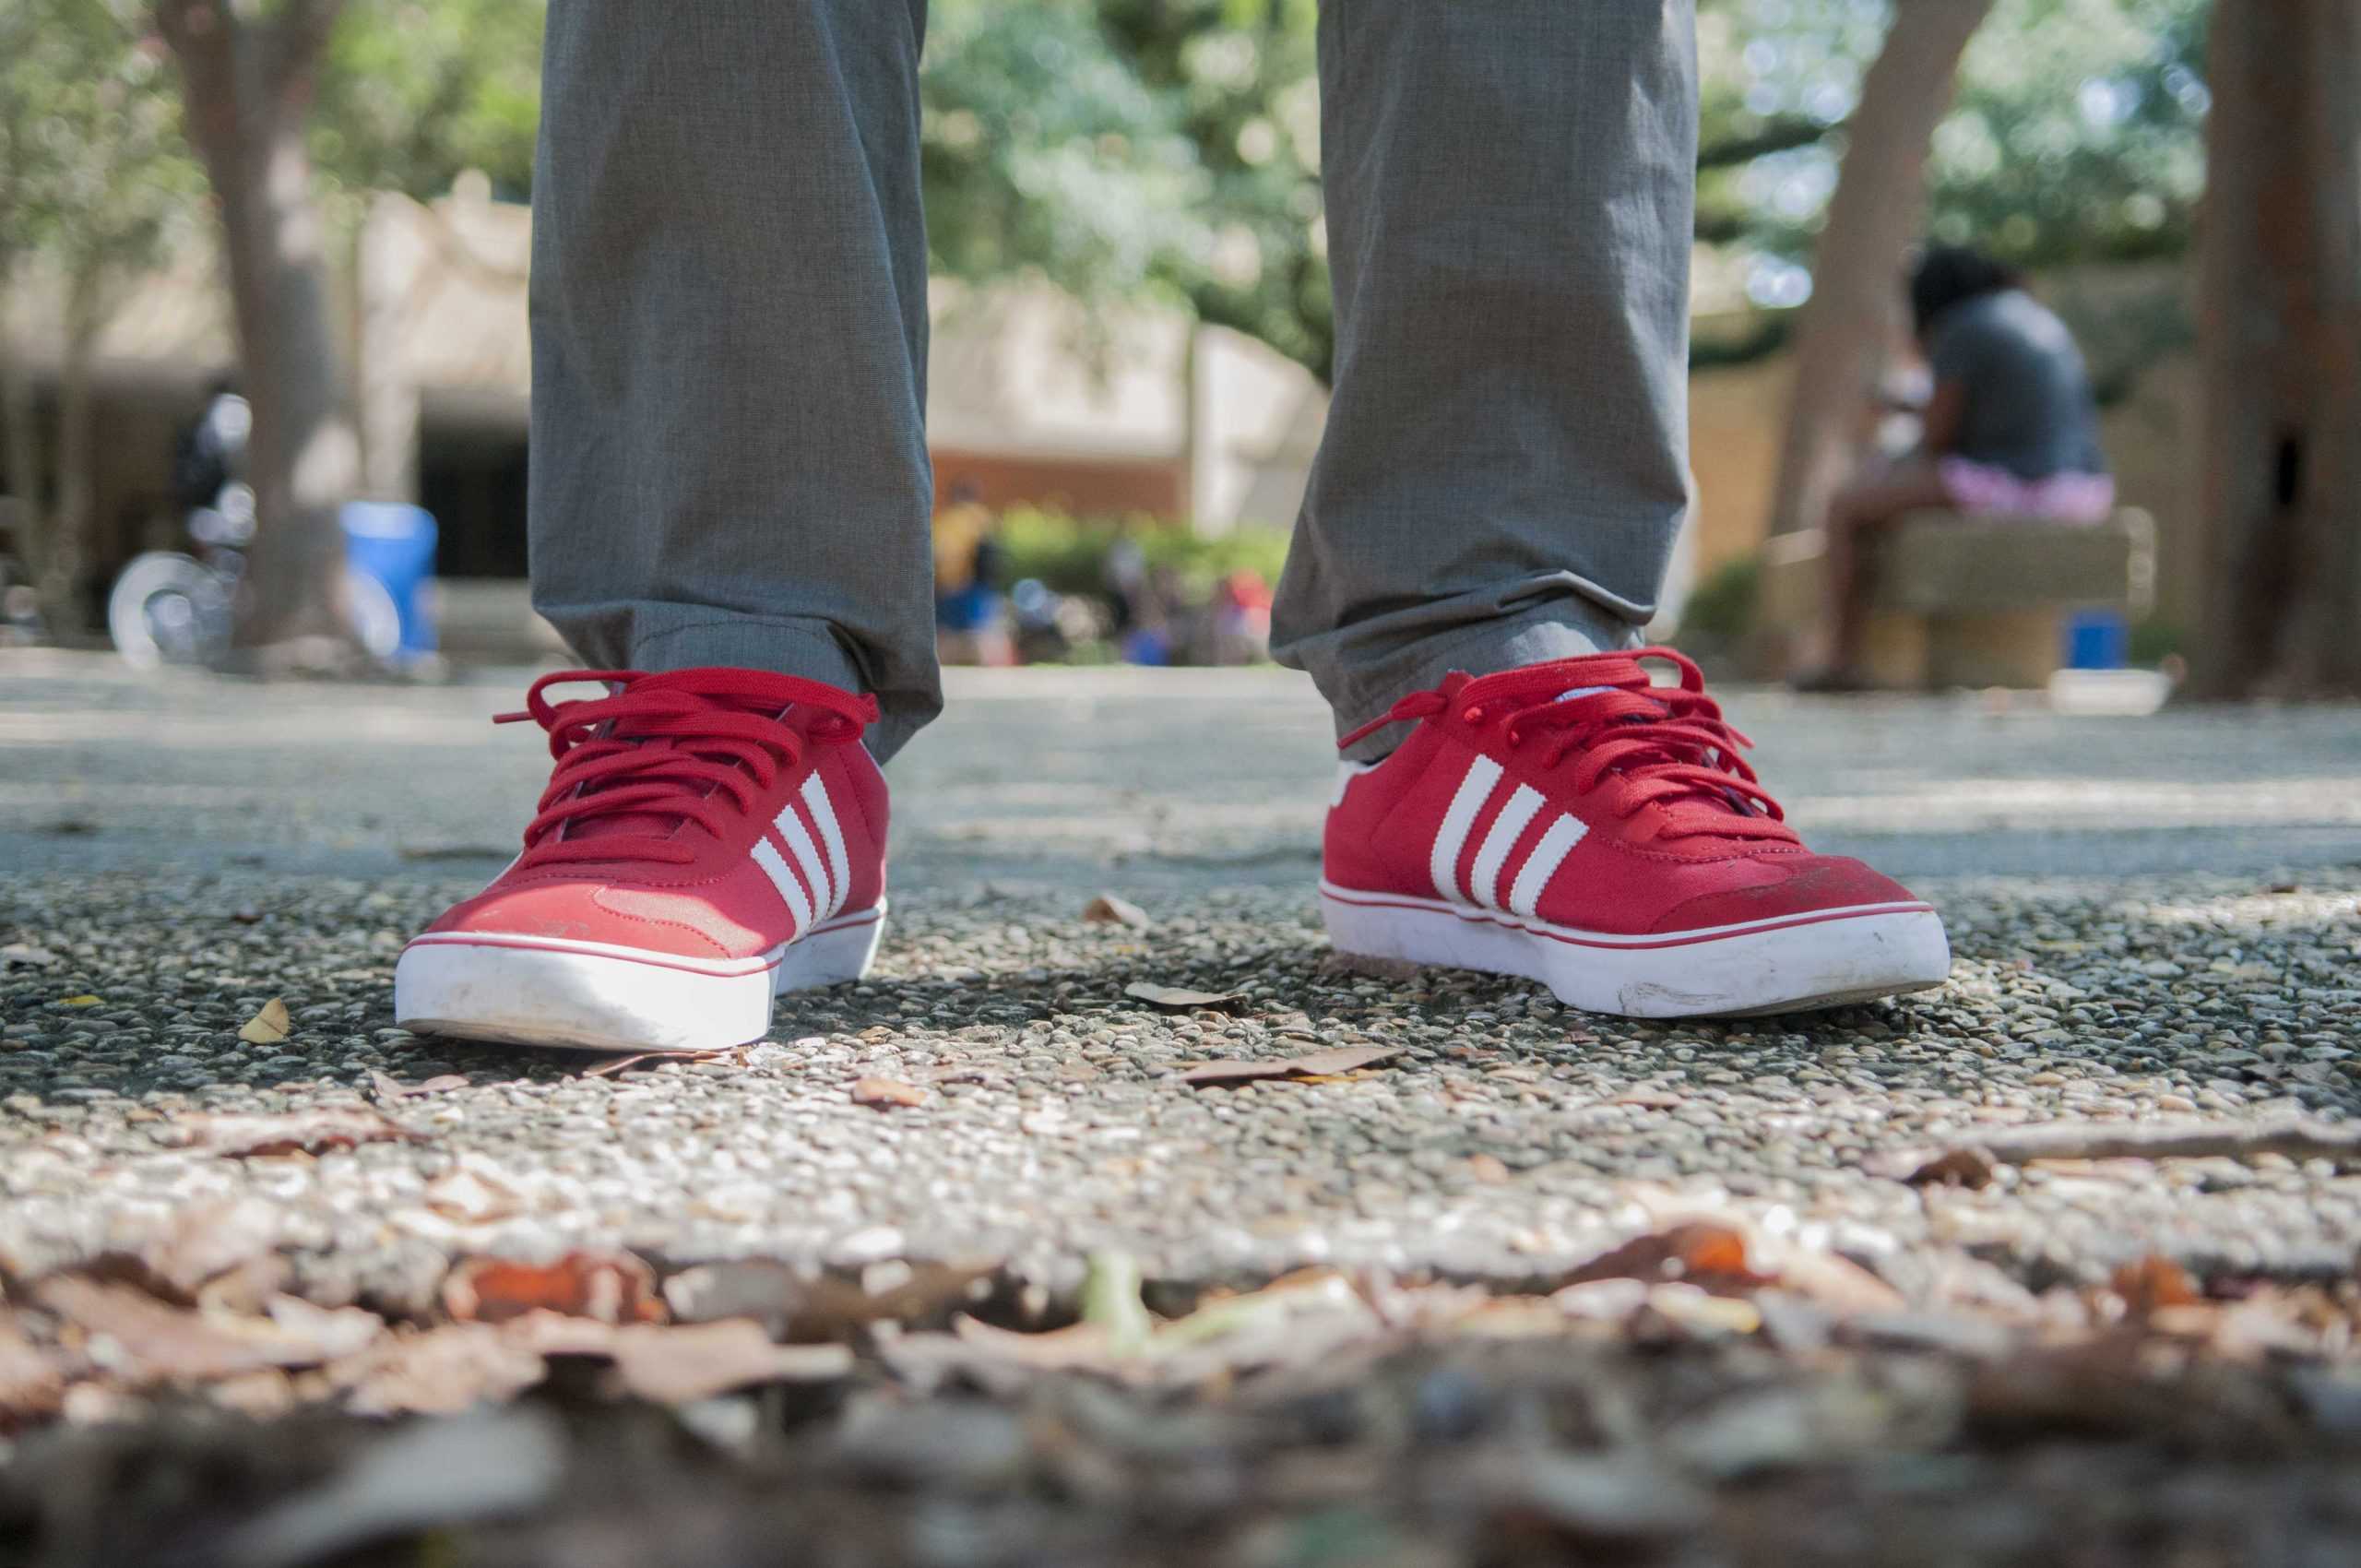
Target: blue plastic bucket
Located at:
point(2097, 639)
point(393, 546)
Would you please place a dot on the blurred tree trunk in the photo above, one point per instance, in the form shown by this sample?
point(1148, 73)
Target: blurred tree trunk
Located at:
point(21, 445)
point(248, 81)
point(1873, 220)
point(2280, 329)
point(66, 532)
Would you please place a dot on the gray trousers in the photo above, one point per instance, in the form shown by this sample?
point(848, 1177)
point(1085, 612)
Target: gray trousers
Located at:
point(729, 334)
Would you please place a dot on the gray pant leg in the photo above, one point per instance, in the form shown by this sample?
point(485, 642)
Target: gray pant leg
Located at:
point(730, 330)
point(1511, 188)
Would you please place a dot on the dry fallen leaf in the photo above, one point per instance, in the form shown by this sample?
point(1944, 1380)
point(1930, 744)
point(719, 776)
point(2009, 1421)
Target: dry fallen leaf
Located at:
point(300, 1132)
point(2154, 1283)
point(1179, 998)
point(616, 1066)
point(208, 1239)
point(1108, 909)
point(392, 1090)
point(884, 1094)
point(677, 1365)
point(610, 1287)
point(141, 1340)
point(85, 999)
point(439, 1372)
point(31, 1384)
point(268, 1027)
point(1965, 1166)
point(1699, 1252)
point(1312, 1065)
point(798, 1305)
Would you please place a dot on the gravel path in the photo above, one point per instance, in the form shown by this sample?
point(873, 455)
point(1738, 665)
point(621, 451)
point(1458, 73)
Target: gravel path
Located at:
point(2157, 923)
point(1510, 1137)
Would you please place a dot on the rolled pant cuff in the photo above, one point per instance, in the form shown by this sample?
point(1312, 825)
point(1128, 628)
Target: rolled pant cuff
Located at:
point(784, 646)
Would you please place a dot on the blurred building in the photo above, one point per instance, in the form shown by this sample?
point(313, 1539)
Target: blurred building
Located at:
point(1032, 397)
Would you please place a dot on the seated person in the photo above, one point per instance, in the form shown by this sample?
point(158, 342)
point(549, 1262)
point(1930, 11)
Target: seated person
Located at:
point(2011, 428)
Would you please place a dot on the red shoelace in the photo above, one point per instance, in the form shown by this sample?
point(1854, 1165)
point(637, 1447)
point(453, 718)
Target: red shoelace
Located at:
point(1669, 746)
point(660, 752)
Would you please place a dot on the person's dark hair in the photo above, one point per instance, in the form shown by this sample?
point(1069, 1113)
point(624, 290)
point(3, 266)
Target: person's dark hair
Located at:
point(1950, 274)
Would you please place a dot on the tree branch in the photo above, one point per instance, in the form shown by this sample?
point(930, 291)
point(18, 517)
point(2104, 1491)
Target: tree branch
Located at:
point(1778, 136)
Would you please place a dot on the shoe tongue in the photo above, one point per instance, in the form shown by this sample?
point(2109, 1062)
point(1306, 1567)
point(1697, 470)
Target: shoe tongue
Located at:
point(1711, 801)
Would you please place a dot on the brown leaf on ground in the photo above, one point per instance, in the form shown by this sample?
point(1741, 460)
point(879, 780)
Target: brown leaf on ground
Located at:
point(677, 1365)
point(2153, 1283)
point(1964, 1165)
point(393, 1091)
point(438, 1373)
point(142, 1339)
point(320, 1131)
point(1081, 1344)
point(616, 1066)
point(1312, 1065)
point(1829, 1280)
point(2296, 1138)
point(1179, 998)
point(31, 1384)
point(884, 1094)
point(1110, 910)
point(610, 1287)
point(268, 1027)
point(798, 1305)
point(1698, 1252)
point(208, 1239)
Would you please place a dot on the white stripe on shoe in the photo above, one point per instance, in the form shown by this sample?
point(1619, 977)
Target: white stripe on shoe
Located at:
point(824, 817)
point(1507, 828)
point(1483, 772)
point(1524, 898)
point(776, 868)
point(797, 839)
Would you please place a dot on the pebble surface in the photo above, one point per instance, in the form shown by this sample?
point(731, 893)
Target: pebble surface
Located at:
point(193, 849)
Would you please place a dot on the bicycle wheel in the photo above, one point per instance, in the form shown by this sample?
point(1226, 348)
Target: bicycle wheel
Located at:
point(167, 608)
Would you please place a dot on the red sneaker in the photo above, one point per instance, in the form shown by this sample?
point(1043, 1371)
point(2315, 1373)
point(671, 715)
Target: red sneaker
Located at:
point(709, 837)
point(1575, 825)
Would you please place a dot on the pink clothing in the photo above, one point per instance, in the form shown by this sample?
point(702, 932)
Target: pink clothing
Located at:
point(1980, 489)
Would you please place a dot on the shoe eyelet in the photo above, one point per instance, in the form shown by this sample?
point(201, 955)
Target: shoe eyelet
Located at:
point(1472, 717)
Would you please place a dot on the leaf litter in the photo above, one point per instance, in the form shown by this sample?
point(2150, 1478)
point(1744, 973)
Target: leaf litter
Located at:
point(268, 1027)
point(1330, 1064)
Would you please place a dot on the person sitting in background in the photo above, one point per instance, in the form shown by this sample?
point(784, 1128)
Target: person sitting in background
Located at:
point(2011, 430)
point(971, 613)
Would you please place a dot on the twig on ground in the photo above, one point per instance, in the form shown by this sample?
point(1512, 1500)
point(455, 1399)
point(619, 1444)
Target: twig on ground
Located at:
point(2297, 1139)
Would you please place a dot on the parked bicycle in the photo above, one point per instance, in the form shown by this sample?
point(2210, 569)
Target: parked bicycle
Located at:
point(168, 607)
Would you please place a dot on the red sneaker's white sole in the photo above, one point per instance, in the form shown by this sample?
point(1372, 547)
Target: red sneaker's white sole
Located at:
point(1824, 959)
point(599, 996)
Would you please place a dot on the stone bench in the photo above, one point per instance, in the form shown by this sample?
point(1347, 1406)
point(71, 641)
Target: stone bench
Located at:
point(1963, 602)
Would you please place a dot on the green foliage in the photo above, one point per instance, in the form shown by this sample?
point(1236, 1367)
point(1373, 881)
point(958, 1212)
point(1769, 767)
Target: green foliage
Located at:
point(1721, 609)
point(93, 171)
point(412, 92)
point(1135, 148)
point(2078, 133)
point(1069, 554)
